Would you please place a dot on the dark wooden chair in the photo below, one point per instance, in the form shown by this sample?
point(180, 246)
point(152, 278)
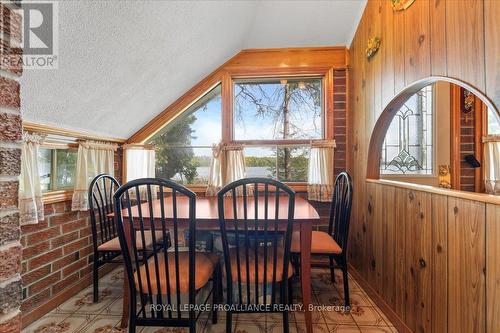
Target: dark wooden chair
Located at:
point(106, 244)
point(104, 233)
point(333, 244)
point(256, 232)
point(169, 272)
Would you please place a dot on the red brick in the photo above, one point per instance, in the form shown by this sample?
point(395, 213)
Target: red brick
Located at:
point(63, 218)
point(63, 262)
point(9, 228)
point(44, 283)
point(10, 23)
point(78, 224)
point(61, 207)
point(8, 190)
point(86, 251)
point(86, 232)
point(31, 251)
point(44, 258)
point(34, 301)
point(65, 282)
point(30, 228)
point(43, 235)
point(64, 239)
point(12, 325)
point(9, 97)
point(10, 262)
point(10, 162)
point(75, 267)
point(35, 275)
point(75, 246)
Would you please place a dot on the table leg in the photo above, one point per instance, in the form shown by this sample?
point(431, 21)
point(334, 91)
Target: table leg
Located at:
point(126, 306)
point(305, 271)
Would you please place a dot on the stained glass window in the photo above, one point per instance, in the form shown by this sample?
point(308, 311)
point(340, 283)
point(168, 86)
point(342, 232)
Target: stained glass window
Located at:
point(408, 145)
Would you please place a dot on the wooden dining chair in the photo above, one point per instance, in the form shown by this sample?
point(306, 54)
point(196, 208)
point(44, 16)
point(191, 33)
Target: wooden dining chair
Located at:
point(163, 278)
point(256, 230)
point(332, 244)
point(106, 244)
point(104, 233)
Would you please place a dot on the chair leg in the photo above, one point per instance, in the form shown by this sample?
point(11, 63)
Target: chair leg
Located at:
point(215, 294)
point(332, 270)
point(286, 324)
point(229, 319)
point(131, 324)
point(346, 285)
point(96, 277)
point(192, 323)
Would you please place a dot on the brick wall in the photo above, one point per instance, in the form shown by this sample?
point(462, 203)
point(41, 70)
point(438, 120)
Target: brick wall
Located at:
point(339, 119)
point(10, 154)
point(467, 146)
point(56, 255)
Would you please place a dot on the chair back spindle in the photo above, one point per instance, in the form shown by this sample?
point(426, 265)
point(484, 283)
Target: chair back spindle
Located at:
point(340, 210)
point(150, 207)
point(256, 217)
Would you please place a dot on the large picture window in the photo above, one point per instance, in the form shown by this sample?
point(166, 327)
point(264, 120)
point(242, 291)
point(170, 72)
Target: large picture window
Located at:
point(407, 147)
point(275, 119)
point(184, 145)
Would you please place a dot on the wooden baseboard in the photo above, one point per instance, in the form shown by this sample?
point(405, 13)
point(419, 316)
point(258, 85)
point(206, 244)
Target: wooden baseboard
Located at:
point(379, 301)
point(63, 296)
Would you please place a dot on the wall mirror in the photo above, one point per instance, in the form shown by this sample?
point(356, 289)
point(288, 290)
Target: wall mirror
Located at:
point(439, 133)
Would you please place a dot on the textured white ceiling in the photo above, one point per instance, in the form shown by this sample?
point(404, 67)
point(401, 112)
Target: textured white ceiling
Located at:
point(122, 62)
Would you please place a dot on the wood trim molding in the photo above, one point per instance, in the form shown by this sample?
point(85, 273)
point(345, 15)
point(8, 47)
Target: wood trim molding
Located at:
point(379, 301)
point(385, 118)
point(480, 197)
point(56, 196)
point(47, 129)
point(248, 63)
point(455, 136)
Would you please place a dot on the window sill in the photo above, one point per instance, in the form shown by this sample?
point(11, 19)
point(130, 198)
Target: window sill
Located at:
point(56, 196)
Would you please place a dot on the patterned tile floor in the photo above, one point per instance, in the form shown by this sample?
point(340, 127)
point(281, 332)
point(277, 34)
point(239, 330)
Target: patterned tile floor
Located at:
point(80, 315)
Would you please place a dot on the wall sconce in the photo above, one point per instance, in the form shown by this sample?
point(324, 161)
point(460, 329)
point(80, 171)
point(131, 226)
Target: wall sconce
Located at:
point(398, 5)
point(372, 47)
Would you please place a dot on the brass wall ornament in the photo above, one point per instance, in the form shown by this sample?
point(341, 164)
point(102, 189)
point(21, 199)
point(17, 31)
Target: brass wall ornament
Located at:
point(398, 5)
point(372, 47)
point(468, 101)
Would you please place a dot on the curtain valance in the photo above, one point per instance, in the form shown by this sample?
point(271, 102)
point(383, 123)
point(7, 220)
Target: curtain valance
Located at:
point(320, 171)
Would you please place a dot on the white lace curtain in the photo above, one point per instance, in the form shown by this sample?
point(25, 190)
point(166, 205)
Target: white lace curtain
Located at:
point(492, 167)
point(320, 171)
point(30, 192)
point(93, 158)
point(227, 165)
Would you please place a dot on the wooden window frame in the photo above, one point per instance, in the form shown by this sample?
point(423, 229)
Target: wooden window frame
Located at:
point(227, 99)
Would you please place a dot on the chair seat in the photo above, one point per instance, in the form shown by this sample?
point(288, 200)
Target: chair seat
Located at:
point(260, 262)
point(205, 265)
point(321, 242)
point(114, 244)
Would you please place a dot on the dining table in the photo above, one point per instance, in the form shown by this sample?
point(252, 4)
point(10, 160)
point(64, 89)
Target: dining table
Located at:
point(207, 218)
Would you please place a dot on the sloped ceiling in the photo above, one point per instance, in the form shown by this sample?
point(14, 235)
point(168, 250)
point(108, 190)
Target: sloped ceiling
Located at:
point(122, 62)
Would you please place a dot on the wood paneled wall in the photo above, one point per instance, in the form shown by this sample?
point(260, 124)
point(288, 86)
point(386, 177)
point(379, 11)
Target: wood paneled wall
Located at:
point(424, 253)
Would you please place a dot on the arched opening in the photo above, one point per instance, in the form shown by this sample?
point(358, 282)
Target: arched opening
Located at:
point(378, 143)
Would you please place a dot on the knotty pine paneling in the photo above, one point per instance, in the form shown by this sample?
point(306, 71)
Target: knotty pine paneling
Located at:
point(493, 268)
point(466, 266)
point(418, 260)
point(417, 42)
point(439, 263)
point(462, 40)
